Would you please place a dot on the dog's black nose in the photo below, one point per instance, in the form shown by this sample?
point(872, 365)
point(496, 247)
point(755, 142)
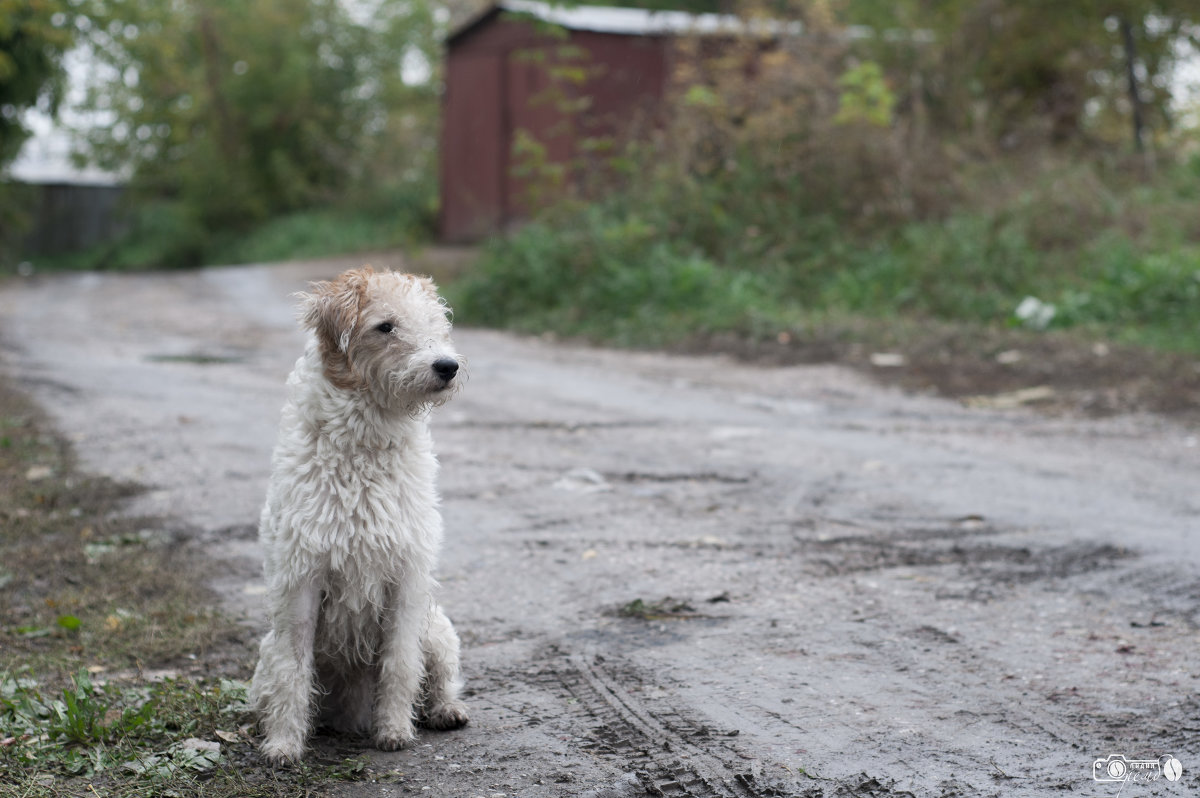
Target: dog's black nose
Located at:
point(445, 368)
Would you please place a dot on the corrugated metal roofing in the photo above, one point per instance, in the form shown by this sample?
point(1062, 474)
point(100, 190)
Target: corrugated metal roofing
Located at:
point(632, 21)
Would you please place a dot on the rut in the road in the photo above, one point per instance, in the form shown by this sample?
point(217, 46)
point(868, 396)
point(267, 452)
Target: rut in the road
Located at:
point(671, 754)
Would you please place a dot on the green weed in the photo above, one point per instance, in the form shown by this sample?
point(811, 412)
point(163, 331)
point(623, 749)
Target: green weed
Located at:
point(679, 259)
point(607, 276)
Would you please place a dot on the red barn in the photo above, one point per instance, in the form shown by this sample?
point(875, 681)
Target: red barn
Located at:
point(503, 68)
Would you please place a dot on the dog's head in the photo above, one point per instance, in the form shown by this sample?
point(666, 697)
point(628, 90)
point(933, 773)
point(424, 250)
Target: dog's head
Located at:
point(384, 334)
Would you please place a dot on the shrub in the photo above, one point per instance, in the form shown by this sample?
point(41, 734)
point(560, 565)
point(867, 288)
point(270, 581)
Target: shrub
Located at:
point(1154, 292)
point(606, 274)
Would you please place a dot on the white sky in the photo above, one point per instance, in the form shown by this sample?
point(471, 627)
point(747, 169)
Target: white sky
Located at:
point(46, 155)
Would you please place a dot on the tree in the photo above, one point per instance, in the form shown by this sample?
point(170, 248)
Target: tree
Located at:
point(34, 35)
point(1015, 68)
point(241, 110)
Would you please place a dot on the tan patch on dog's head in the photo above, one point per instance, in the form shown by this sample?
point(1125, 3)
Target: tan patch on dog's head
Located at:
point(332, 311)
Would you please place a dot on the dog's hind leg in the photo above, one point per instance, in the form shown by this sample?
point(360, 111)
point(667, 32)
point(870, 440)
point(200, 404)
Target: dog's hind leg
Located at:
point(283, 683)
point(442, 708)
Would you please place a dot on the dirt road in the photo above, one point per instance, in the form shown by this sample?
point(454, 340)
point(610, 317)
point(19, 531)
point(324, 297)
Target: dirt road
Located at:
point(694, 576)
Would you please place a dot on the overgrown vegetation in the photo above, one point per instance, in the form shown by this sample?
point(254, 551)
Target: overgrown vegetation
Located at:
point(32, 45)
point(807, 182)
point(116, 675)
point(180, 737)
point(159, 237)
point(679, 258)
point(234, 120)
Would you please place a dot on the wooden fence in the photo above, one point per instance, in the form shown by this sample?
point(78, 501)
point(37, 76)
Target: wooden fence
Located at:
point(71, 216)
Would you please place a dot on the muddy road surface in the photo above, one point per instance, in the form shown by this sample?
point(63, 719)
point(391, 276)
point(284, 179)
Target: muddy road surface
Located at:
point(691, 576)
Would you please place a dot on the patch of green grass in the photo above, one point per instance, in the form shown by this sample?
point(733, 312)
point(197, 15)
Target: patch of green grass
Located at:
point(735, 254)
point(174, 737)
point(612, 276)
point(1148, 297)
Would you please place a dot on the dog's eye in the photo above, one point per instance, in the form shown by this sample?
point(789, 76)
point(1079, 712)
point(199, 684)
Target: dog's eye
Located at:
point(386, 327)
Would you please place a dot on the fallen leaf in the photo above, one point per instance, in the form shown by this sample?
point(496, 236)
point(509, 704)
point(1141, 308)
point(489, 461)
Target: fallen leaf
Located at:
point(32, 631)
point(1012, 399)
point(38, 472)
point(887, 359)
point(582, 480)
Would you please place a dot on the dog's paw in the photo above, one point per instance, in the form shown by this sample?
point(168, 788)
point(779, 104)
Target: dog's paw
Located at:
point(279, 754)
point(443, 717)
point(394, 739)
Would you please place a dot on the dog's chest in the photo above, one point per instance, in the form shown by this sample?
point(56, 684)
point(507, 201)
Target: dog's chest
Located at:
point(366, 512)
point(350, 616)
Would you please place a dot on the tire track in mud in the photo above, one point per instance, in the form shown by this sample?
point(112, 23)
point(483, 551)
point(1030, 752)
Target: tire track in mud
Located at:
point(671, 754)
point(666, 751)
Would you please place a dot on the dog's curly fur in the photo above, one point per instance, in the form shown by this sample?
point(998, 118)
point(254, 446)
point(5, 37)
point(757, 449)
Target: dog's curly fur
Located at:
point(351, 527)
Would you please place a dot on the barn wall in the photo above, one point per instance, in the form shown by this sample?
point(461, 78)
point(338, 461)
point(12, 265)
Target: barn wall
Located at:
point(630, 80)
point(472, 151)
point(475, 140)
point(493, 89)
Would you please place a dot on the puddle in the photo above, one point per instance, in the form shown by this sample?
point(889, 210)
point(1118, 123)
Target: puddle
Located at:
point(196, 358)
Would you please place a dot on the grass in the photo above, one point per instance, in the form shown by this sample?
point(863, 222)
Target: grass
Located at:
point(608, 276)
point(90, 602)
point(729, 254)
point(176, 737)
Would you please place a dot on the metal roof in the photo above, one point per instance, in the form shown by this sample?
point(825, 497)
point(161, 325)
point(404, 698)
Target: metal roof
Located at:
point(629, 21)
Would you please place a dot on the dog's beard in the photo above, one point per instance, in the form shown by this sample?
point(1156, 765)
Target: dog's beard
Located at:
point(415, 388)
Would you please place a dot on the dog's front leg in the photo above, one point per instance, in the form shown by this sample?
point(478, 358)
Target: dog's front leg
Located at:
point(283, 681)
point(401, 664)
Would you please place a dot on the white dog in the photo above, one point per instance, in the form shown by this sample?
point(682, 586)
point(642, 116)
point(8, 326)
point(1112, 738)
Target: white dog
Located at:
point(351, 526)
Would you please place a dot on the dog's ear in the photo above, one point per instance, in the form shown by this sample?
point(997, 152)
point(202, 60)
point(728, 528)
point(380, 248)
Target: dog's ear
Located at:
point(428, 284)
point(331, 310)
